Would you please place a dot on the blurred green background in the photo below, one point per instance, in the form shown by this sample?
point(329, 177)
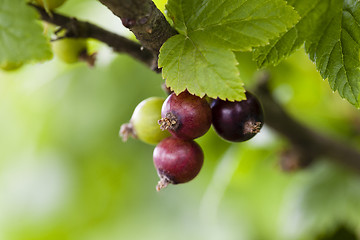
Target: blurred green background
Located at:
point(65, 173)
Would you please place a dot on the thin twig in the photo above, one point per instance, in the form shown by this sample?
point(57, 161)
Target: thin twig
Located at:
point(81, 29)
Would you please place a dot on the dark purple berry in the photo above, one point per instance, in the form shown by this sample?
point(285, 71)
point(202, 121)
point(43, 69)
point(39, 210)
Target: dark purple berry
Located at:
point(186, 116)
point(177, 161)
point(237, 121)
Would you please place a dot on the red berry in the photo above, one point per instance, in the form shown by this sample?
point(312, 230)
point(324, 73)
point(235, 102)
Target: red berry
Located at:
point(237, 121)
point(177, 161)
point(186, 116)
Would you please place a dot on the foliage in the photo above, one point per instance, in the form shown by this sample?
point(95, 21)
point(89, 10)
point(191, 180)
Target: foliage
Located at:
point(330, 30)
point(65, 174)
point(22, 39)
point(200, 58)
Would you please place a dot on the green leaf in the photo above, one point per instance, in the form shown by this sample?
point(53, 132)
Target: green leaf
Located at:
point(21, 36)
point(234, 24)
point(331, 32)
point(335, 48)
point(310, 12)
point(200, 59)
point(201, 69)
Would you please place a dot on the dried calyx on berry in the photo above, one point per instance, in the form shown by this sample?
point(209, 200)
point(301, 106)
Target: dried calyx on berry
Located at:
point(185, 115)
point(237, 121)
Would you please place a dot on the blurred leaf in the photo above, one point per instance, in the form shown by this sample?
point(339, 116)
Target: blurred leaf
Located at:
point(326, 196)
point(160, 4)
point(21, 38)
point(341, 233)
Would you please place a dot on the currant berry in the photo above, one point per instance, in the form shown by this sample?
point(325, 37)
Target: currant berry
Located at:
point(143, 123)
point(237, 121)
point(10, 66)
point(177, 161)
point(71, 50)
point(50, 4)
point(186, 116)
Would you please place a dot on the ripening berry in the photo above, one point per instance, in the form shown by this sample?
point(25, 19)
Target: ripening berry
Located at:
point(177, 161)
point(50, 4)
point(186, 116)
point(70, 50)
point(143, 123)
point(10, 66)
point(237, 121)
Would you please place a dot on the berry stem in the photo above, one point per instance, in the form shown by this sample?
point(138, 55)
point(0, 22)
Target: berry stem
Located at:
point(89, 59)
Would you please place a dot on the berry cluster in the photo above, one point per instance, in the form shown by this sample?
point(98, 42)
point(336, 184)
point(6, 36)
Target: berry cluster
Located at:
point(182, 118)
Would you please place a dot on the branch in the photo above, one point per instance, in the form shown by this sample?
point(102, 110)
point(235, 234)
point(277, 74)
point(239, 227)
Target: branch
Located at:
point(152, 30)
point(144, 20)
point(312, 144)
point(81, 29)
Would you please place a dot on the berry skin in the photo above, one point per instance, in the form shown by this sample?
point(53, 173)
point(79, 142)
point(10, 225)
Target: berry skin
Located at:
point(143, 123)
point(186, 116)
point(69, 50)
point(177, 161)
point(50, 4)
point(237, 121)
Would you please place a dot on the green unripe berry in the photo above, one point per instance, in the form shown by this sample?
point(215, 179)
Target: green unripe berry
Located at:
point(10, 66)
point(69, 49)
point(143, 123)
point(50, 4)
